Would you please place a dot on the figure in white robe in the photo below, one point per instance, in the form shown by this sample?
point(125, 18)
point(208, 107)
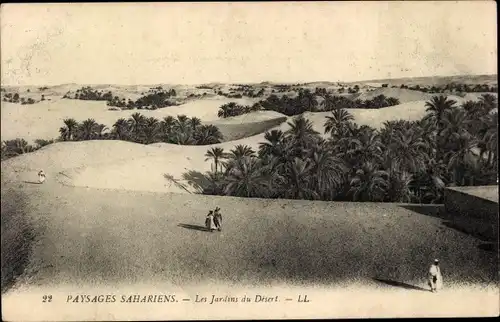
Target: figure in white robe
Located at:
point(435, 277)
point(209, 221)
point(41, 176)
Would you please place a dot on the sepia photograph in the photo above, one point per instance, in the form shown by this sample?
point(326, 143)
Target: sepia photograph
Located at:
point(249, 160)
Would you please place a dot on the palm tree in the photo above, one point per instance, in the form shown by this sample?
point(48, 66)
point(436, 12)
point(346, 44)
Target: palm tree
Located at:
point(69, 129)
point(299, 180)
point(12, 148)
point(399, 186)
point(302, 134)
point(224, 111)
point(88, 130)
point(121, 129)
point(392, 101)
point(472, 108)
point(274, 141)
point(428, 184)
point(217, 154)
point(378, 102)
point(248, 178)
point(100, 128)
point(369, 183)
point(437, 108)
point(407, 150)
point(327, 170)
point(454, 124)
point(240, 151)
point(307, 100)
point(195, 122)
point(183, 138)
point(336, 123)
point(208, 134)
point(136, 124)
point(491, 137)
point(182, 124)
point(461, 156)
point(151, 130)
point(427, 130)
point(167, 127)
point(367, 147)
point(489, 102)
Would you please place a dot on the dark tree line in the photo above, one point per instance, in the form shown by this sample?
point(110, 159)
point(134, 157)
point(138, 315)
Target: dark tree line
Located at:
point(146, 130)
point(454, 87)
point(306, 101)
point(12, 148)
point(155, 98)
point(16, 98)
point(138, 128)
point(402, 162)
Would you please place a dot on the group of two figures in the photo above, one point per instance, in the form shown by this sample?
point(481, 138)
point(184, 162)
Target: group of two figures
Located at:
point(214, 220)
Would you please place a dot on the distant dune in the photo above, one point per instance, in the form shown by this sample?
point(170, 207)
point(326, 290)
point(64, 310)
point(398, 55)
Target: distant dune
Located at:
point(43, 120)
point(402, 94)
point(141, 219)
point(435, 80)
point(130, 166)
point(239, 127)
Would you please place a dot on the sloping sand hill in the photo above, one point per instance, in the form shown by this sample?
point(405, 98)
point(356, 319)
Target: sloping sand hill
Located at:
point(166, 167)
point(94, 241)
point(43, 120)
point(404, 95)
point(246, 125)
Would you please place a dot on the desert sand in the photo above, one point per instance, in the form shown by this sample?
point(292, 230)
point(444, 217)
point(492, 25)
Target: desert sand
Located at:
point(107, 164)
point(115, 213)
point(359, 256)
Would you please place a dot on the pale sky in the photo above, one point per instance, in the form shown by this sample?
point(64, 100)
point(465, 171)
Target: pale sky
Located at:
point(189, 43)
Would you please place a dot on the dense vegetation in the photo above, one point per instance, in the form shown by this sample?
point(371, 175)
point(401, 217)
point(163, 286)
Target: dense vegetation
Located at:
point(16, 98)
point(146, 130)
point(138, 128)
point(12, 148)
point(305, 101)
point(403, 162)
point(156, 97)
point(453, 88)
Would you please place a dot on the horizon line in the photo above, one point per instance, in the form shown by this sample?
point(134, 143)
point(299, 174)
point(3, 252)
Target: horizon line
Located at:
point(261, 82)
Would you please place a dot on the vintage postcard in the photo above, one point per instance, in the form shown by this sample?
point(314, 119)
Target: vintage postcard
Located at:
point(259, 160)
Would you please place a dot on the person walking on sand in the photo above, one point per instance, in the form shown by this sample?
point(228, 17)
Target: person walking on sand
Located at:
point(435, 277)
point(41, 176)
point(218, 219)
point(209, 221)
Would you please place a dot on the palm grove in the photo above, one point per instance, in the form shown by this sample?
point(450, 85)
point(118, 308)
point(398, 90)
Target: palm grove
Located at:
point(404, 161)
point(145, 130)
point(137, 128)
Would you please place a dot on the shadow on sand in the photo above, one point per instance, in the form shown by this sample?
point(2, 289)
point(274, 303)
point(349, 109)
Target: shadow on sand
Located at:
point(400, 284)
point(194, 227)
point(472, 228)
point(436, 211)
point(32, 182)
point(489, 247)
point(475, 231)
point(197, 180)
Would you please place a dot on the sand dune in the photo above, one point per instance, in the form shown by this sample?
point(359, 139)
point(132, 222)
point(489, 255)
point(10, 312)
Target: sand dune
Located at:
point(404, 95)
point(98, 241)
point(131, 227)
point(42, 120)
point(131, 166)
point(242, 126)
